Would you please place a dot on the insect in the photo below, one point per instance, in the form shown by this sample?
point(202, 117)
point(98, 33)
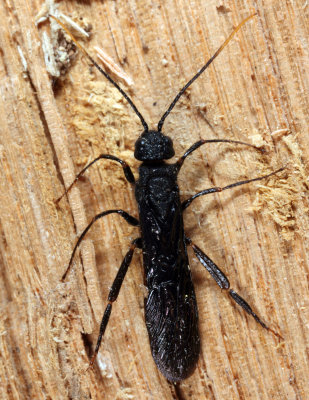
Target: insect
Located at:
point(171, 312)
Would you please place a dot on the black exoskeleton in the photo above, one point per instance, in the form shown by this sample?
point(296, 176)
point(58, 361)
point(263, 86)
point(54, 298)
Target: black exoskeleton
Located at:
point(170, 308)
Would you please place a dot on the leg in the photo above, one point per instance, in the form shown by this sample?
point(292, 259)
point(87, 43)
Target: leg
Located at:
point(187, 202)
point(224, 283)
point(113, 293)
point(201, 142)
point(131, 220)
point(126, 169)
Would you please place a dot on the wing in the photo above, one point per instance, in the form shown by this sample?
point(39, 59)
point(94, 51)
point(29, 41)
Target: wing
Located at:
point(172, 323)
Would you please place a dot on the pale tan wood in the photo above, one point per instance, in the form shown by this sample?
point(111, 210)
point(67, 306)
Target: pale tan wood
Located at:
point(256, 91)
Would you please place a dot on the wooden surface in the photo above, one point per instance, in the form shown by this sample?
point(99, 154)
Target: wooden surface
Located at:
point(256, 91)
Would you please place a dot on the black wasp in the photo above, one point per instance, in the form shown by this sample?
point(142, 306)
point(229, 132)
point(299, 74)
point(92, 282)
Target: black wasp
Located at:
point(170, 309)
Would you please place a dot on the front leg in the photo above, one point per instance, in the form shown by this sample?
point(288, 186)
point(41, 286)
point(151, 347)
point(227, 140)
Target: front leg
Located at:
point(198, 144)
point(126, 169)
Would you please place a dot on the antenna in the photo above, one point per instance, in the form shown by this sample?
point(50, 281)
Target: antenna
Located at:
point(104, 73)
point(172, 105)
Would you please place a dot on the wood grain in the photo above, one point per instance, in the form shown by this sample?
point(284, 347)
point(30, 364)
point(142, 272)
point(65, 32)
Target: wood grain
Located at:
point(256, 91)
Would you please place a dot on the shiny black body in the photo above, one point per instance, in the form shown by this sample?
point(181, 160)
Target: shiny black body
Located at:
point(170, 309)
